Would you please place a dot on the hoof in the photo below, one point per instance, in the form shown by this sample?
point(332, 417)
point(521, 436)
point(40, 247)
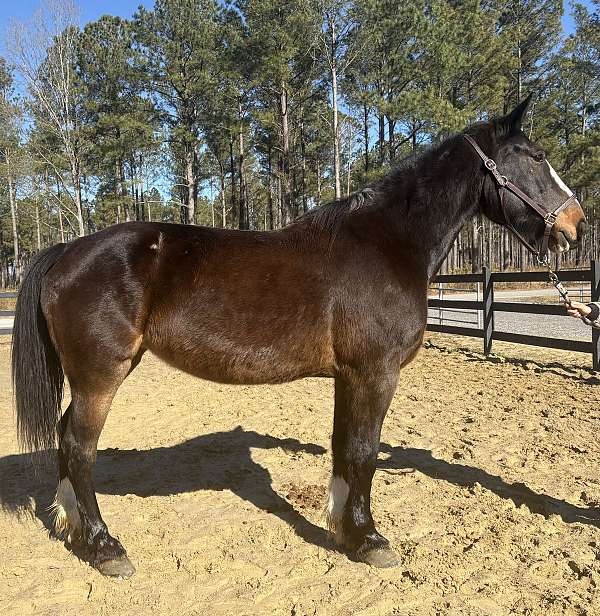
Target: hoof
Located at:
point(116, 567)
point(380, 557)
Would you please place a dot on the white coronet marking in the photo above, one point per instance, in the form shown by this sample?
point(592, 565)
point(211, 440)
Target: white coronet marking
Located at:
point(338, 495)
point(67, 523)
point(558, 180)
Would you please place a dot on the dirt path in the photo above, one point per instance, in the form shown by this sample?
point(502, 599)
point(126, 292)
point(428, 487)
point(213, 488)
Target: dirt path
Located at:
point(217, 492)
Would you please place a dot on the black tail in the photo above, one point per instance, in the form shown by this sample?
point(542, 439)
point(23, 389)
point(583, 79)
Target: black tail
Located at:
point(36, 371)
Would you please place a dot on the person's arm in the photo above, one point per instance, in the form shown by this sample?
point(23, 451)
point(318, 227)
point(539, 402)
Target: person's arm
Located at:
point(590, 313)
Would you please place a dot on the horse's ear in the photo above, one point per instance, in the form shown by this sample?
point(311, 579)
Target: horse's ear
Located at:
point(514, 120)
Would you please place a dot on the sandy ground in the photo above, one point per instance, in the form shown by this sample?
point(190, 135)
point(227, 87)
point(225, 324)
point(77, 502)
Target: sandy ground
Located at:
point(217, 492)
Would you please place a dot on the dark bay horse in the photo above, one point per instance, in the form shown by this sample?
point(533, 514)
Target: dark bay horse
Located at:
point(339, 293)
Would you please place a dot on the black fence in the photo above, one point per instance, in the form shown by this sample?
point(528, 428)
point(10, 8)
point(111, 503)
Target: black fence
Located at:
point(488, 306)
point(6, 313)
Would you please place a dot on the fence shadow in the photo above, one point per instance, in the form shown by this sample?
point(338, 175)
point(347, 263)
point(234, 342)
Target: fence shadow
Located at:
point(466, 476)
point(216, 461)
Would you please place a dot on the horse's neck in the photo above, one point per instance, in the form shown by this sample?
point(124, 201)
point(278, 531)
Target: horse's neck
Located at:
point(445, 222)
point(435, 212)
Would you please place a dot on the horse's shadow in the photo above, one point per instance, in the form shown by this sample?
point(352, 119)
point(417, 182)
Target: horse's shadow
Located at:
point(467, 476)
point(223, 461)
point(216, 461)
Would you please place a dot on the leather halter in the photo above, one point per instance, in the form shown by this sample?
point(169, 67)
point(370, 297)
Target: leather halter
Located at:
point(503, 183)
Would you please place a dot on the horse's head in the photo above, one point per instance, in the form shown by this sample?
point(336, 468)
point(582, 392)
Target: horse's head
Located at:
point(524, 164)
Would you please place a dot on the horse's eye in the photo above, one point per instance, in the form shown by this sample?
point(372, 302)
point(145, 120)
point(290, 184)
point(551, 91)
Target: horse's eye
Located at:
point(539, 157)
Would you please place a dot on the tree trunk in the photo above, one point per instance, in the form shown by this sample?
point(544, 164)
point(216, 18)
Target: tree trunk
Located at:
point(270, 192)
point(318, 184)
point(391, 137)
point(303, 154)
point(78, 201)
point(381, 140)
point(366, 133)
point(13, 215)
point(133, 189)
point(243, 219)
point(190, 180)
point(38, 227)
point(476, 246)
point(232, 173)
point(60, 216)
point(334, 96)
point(286, 192)
point(279, 199)
point(348, 167)
point(223, 205)
point(118, 187)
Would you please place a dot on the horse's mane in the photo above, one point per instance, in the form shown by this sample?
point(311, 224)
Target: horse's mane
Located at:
point(413, 168)
point(330, 215)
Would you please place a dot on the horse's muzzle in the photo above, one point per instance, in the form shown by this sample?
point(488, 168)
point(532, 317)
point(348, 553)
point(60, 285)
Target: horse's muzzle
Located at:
point(569, 228)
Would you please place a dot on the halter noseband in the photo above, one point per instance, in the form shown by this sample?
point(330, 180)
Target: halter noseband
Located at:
point(504, 183)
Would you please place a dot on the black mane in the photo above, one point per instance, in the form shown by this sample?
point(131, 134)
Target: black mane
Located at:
point(410, 170)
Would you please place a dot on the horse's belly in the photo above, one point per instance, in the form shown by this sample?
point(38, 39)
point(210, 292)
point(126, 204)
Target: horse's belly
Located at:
point(259, 356)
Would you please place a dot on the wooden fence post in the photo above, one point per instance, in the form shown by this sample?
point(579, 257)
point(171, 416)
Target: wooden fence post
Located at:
point(595, 284)
point(488, 312)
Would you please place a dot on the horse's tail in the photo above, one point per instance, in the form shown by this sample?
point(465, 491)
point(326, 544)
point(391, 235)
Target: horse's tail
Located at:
point(36, 370)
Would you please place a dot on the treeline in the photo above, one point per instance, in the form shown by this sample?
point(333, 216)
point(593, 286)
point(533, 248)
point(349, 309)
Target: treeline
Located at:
point(248, 113)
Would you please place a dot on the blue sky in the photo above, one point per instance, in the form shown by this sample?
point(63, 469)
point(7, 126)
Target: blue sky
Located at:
point(92, 9)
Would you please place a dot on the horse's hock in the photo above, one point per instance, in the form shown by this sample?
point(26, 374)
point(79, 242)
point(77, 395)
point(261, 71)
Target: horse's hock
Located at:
point(219, 492)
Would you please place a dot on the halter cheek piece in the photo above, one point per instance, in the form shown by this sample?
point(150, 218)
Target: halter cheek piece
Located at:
point(503, 184)
point(549, 217)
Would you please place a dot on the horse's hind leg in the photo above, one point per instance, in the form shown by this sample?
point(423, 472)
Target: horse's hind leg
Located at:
point(361, 402)
point(67, 522)
point(81, 427)
point(64, 509)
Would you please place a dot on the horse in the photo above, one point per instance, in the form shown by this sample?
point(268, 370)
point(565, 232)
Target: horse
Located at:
point(340, 293)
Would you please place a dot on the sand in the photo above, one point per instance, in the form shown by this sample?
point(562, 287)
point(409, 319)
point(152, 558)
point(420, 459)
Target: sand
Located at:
point(217, 493)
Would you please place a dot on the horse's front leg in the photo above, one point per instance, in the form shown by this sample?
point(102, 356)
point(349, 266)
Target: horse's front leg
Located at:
point(361, 402)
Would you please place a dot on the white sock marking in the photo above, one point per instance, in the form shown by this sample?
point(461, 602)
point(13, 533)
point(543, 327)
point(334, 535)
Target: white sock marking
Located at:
point(67, 522)
point(338, 495)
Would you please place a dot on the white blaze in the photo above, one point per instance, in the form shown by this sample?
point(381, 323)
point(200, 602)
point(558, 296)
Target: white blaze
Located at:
point(559, 181)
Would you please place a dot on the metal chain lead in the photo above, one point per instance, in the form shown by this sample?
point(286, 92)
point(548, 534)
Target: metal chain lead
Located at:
point(553, 277)
point(560, 288)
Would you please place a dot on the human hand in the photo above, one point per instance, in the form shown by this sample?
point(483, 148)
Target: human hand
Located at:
point(578, 310)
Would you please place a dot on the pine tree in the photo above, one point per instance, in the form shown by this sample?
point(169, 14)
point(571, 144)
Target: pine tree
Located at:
point(120, 123)
point(178, 40)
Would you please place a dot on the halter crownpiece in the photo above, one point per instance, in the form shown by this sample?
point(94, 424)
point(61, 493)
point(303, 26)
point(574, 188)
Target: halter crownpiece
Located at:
point(503, 184)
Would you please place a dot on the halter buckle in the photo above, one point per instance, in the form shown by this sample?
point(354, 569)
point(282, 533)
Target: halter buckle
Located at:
point(490, 164)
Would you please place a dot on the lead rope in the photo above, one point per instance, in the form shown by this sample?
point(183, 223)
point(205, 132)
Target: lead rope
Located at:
point(558, 285)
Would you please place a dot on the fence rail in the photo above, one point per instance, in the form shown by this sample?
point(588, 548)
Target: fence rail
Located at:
point(487, 306)
point(6, 331)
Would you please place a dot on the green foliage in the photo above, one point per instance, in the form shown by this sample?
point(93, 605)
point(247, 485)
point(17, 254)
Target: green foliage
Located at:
point(221, 112)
